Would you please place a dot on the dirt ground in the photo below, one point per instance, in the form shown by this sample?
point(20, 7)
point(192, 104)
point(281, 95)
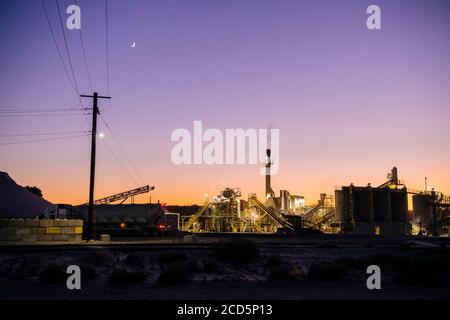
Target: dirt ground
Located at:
point(21, 275)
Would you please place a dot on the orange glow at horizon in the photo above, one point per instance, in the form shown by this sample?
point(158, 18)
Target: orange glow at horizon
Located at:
point(180, 190)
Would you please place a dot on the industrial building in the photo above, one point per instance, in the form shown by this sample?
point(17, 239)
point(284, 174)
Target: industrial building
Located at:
point(227, 212)
point(431, 214)
point(372, 210)
point(381, 210)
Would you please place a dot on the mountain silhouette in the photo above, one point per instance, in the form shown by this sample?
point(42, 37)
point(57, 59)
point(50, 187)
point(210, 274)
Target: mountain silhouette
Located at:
point(18, 202)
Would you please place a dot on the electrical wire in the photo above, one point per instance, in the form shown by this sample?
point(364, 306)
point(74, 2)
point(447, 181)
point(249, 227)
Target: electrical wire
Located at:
point(57, 47)
point(120, 163)
point(36, 110)
point(122, 149)
point(42, 140)
point(67, 48)
point(70, 60)
point(84, 57)
point(43, 134)
point(107, 47)
point(43, 115)
point(85, 62)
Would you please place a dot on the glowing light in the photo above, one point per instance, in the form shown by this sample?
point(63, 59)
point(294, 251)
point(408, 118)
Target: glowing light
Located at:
point(101, 135)
point(123, 225)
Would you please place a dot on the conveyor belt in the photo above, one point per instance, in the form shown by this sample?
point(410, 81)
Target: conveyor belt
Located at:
point(278, 218)
point(195, 217)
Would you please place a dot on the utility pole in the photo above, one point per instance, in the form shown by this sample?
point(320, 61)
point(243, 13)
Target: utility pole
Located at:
point(91, 234)
point(433, 207)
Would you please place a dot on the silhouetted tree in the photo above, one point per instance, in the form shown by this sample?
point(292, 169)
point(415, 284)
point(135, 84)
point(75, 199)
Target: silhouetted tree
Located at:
point(34, 190)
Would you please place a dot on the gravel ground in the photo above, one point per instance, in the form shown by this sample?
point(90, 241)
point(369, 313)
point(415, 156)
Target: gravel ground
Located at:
point(20, 276)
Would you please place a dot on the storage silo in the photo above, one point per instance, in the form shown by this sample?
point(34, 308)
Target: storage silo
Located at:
point(342, 205)
point(285, 200)
point(381, 205)
point(362, 201)
point(399, 205)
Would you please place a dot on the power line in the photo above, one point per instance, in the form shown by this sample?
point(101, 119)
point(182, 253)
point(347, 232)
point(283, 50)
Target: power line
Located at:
point(57, 47)
point(84, 56)
point(37, 110)
point(72, 82)
point(107, 47)
point(42, 134)
point(120, 163)
point(85, 61)
point(70, 60)
point(43, 140)
point(41, 115)
point(67, 48)
point(122, 149)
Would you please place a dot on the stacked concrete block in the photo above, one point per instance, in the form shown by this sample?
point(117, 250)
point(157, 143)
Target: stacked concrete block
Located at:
point(45, 230)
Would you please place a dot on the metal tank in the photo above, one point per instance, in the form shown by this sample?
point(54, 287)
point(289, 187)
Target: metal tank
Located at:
point(342, 205)
point(285, 200)
point(362, 202)
point(399, 205)
point(381, 205)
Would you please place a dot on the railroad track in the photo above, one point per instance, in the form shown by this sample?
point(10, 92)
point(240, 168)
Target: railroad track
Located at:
point(367, 243)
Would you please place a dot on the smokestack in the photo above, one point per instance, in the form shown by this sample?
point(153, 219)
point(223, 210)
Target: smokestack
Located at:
point(394, 176)
point(268, 164)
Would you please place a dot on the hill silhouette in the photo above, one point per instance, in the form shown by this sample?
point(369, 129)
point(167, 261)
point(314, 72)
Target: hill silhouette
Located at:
point(18, 202)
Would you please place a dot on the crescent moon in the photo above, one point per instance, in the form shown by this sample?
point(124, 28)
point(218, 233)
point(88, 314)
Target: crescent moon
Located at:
point(133, 44)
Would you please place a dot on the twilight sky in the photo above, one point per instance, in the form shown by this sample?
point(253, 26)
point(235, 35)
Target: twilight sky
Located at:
point(350, 103)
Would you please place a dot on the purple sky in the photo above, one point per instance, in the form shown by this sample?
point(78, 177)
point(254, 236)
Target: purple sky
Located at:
point(350, 103)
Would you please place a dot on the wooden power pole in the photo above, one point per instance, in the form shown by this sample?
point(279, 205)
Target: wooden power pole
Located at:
point(91, 234)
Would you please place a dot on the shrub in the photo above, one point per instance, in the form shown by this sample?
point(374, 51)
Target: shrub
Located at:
point(274, 260)
point(87, 272)
point(436, 261)
point(134, 259)
point(192, 266)
point(420, 278)
point(388, 261)
point(53, 273)
point(97, 258)
point(327, 271)
point(172, 257)
point(352, 263)
point(210, 266)
point(237, 250)
point(174, 274)
point(296, 273)
point(124, 276)
point(279, 272)
point(425, 269)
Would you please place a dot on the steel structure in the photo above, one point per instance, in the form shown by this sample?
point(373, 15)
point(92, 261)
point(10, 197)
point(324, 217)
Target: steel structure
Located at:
point(192, 219)
point(123, 195)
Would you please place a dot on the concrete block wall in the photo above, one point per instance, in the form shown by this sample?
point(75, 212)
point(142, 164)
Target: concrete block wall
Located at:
point(44, 230)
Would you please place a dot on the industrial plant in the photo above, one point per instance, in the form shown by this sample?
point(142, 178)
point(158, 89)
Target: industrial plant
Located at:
point(366, 210)
point(381, 210)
